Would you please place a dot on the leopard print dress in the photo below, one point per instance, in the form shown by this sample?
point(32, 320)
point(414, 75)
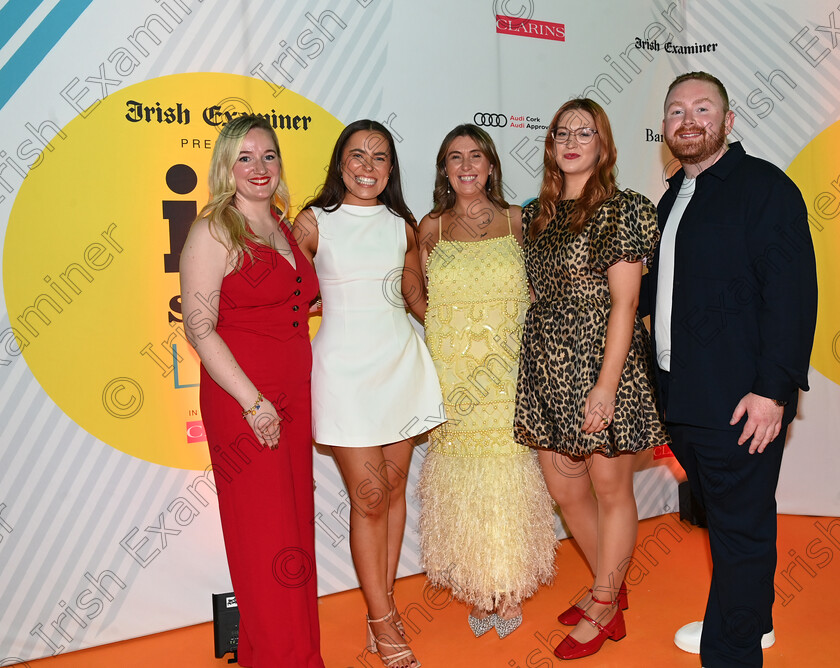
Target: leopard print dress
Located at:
point(565, 332)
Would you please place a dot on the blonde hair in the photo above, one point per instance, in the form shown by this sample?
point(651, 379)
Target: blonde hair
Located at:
point(227, 224)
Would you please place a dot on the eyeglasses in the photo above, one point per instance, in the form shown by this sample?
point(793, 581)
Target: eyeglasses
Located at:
point(581, 135)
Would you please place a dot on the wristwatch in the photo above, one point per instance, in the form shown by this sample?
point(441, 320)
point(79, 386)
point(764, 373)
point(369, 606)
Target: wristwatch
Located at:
point(780, 402)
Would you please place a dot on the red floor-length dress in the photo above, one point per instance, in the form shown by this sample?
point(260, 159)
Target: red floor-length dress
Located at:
point(266, 496)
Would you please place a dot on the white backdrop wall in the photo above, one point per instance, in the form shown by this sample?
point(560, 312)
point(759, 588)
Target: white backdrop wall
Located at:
point(102, 538)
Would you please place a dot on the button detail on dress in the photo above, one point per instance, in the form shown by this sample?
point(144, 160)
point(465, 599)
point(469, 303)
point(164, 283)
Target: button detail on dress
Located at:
point(296, 293)
point(295, 307)
point(295, 323)
point(298, 279)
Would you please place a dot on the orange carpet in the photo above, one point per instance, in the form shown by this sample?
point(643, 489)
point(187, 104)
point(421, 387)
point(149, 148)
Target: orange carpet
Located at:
point(667, 585)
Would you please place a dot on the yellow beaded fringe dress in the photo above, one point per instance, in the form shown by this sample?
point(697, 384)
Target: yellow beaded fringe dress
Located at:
point(487, 520)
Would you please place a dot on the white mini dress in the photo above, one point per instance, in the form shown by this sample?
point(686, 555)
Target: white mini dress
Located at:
point(373, 381)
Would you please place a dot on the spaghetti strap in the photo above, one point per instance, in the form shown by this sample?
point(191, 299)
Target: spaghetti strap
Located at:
point(507, 213)
point(440, 227)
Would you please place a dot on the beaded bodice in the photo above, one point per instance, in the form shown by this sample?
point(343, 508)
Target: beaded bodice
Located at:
point(478, 297)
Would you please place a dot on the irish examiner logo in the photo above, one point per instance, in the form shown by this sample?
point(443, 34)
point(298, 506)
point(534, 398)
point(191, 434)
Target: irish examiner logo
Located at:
point(525, 27)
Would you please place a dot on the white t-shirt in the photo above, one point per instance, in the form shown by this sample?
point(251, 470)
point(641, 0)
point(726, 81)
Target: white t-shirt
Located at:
point(665, 278)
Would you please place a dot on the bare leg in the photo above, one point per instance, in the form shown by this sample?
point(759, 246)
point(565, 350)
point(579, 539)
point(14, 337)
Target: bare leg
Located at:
point(370, 496)
point(570, 486)
point(397, 460)
point(618, 523)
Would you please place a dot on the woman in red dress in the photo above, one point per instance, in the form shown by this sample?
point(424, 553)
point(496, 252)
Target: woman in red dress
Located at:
point(245, 291)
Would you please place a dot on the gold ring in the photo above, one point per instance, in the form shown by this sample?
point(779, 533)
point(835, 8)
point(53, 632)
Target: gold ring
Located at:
point(605, 421)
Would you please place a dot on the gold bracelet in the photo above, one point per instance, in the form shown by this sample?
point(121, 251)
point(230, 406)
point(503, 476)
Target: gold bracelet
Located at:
point(253, 409)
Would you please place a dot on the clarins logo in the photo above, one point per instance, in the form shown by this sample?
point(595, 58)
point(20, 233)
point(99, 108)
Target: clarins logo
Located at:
point(511, 25)
point(195, 432)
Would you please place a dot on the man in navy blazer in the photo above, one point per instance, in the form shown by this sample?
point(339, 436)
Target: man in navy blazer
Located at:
point(733, 299)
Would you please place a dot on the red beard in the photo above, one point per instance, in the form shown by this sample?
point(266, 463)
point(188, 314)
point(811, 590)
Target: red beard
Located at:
point(693, 151)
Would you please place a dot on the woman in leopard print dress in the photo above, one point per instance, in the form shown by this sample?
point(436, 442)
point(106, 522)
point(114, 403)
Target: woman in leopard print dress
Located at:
point(585, 393)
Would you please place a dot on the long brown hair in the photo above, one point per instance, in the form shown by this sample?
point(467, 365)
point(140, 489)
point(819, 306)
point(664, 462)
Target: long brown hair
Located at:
point(227, 224)
point(333, 191)
point(599, 187)
point(443, 196)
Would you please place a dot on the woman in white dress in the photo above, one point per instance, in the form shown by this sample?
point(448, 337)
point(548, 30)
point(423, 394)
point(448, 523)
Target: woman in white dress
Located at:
point(374, 386)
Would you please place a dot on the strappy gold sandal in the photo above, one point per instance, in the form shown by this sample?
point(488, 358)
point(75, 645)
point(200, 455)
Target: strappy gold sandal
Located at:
point(397, 622)
point(400, 652)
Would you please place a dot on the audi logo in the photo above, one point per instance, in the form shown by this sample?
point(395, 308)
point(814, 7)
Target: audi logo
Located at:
point(490, 120)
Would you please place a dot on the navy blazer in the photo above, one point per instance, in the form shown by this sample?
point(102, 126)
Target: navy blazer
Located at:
point(745, 292)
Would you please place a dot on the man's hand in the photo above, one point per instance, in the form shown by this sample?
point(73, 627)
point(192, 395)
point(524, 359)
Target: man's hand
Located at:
point(764, 421)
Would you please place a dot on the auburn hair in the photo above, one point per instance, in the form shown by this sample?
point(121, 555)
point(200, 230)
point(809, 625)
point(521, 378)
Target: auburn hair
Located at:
point(598, 188)
point(702, 76)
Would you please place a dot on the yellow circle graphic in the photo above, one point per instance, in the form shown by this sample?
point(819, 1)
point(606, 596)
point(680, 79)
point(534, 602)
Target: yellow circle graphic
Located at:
point(816, 170)
point(90, 261)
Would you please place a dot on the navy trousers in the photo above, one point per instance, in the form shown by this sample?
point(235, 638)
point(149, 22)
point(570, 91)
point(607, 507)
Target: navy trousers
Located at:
point(738, 492)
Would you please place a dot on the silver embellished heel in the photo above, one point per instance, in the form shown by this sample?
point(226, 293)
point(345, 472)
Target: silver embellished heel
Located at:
point(480, 626)
point(504, 627)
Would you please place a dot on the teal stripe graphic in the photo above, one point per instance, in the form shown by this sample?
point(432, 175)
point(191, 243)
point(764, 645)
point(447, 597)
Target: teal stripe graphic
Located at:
point(38, 44)
point(13, 15)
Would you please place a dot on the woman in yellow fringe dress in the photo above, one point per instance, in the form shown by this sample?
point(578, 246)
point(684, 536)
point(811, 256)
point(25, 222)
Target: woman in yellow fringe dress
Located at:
point(487, 520)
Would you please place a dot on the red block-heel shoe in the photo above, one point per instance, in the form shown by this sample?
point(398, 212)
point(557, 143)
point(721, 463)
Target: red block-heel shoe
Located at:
point(571, 616)
point(613, 629)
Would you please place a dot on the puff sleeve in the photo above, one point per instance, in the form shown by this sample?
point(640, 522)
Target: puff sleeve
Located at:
point(624, 228)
